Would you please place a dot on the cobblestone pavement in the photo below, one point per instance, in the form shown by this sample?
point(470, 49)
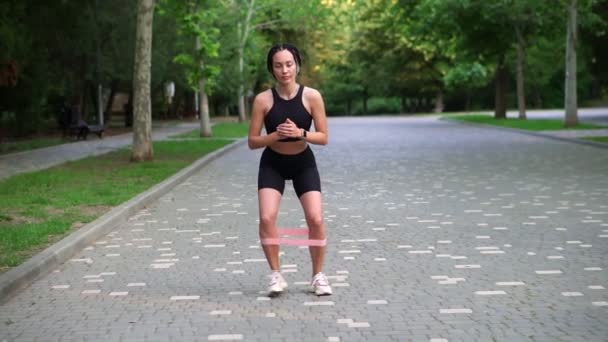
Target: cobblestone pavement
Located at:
point(437, 232)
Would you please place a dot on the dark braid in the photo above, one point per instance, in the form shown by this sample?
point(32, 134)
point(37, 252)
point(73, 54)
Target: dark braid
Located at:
point(280, 47)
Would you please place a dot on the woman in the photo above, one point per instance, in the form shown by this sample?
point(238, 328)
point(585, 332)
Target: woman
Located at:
point(287, 112)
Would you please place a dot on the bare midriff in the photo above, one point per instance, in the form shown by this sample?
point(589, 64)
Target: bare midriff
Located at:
point(288, 147)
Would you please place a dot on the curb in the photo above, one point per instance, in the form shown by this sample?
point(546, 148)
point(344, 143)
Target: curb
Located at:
point(42, 263)
point(533, 133)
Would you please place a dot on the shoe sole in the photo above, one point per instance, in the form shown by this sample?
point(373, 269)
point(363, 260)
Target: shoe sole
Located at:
point(319, 294)
point(274, 294)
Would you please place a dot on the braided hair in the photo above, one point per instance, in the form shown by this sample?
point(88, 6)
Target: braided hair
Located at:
point(280, 47)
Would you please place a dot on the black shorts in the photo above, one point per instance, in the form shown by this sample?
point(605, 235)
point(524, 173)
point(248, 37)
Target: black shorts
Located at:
point(301, 168)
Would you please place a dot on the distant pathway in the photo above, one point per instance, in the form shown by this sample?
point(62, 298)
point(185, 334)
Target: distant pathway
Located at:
point(43, 158)
point(597, 116)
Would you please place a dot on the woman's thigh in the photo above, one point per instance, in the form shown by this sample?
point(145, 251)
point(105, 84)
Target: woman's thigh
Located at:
point(269, 200)
point(312, 204)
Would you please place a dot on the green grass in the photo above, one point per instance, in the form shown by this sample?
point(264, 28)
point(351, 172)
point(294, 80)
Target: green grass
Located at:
point(18, 146)
point(220, 130)
point(598, 139)
point(530, 124)
point(39, 208)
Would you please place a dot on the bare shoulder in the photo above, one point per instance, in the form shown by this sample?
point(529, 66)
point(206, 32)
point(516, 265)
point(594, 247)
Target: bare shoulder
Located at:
point(264, 99)
point(312, 94)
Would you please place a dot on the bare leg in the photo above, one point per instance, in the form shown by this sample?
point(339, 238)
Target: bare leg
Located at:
point(269, 200)
point(311, 203)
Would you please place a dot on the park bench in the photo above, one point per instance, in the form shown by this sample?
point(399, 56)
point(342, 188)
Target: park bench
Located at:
point(73, 126)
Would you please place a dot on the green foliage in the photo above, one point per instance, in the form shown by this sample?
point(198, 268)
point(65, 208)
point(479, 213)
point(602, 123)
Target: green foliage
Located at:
point(352, 50)
point(469, 75)
point(197, 23)
point(220, 130)
point(598, 139)
point(379, 105)
point(230, 130)
point(60, 58)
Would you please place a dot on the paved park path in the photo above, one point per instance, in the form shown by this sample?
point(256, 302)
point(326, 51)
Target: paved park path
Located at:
point(438, 231)
point(27, 161)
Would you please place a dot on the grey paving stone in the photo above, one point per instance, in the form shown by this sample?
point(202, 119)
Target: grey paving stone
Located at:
point(419, 199)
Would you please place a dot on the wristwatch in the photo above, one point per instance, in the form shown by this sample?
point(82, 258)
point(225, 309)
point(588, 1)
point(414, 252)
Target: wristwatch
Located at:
point(304, 133)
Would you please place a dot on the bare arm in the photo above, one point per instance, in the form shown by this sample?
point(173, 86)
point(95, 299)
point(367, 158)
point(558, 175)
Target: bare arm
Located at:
point(317, 108)
point(256, 140)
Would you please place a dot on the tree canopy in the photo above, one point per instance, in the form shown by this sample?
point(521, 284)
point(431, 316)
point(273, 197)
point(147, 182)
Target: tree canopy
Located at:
point(366, 57)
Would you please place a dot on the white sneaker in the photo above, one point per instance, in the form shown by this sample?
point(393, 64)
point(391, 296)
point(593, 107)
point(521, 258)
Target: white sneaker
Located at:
point(320, 285)
point(277, 284)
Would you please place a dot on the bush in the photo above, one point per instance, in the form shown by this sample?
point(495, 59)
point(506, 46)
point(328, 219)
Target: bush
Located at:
point(376, 105)
point(335, 109)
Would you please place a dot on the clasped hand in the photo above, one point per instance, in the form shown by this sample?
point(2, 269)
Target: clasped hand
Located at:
point(288, 129)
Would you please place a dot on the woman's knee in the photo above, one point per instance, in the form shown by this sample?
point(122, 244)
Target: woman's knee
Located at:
point(268, 220)
point(315, 221)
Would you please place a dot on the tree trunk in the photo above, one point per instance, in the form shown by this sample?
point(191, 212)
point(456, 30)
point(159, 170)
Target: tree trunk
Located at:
point(80, 100)
point(205, 121)
point(539, 99)
point(100, 119)
point(128, 109)
point(241, 89)
point(521, 55)
point(570, 91)
point(110, 102)
point(243, 36)
point(365, 98)
point(439, 101)
point(98, 86)
point(500, 100)
point(142, 115)
point(204, 117)
point(95, 93)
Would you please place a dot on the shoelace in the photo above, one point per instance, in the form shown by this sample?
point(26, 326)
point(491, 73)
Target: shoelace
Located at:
point(275, 279)
point(320, 280)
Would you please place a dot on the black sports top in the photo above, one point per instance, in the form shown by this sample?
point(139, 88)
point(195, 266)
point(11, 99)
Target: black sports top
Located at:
point(283, 109)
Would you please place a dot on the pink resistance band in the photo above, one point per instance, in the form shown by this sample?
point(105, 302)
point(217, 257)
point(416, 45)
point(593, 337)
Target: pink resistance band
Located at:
point(294, 242)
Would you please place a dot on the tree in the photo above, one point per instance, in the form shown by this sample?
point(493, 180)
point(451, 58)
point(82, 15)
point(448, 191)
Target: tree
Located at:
point(594, 39)
point(481, 31)
point(468, 76)
point(243, 29)
point(142, 109)
point(204, 85)
point(579, 14)
point(369, 49)
point(570, 100)
point(197, 21)
point(526, 18)
point(268, 15)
